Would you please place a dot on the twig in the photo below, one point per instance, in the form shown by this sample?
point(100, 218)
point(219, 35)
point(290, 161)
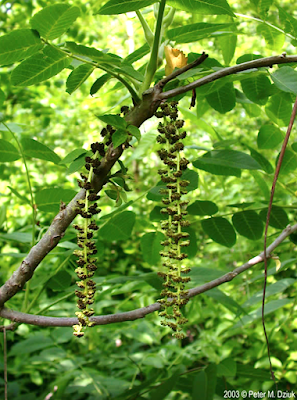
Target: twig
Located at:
point(261, 62)
point(5, 362)
point(142, 312)
point(277, 171)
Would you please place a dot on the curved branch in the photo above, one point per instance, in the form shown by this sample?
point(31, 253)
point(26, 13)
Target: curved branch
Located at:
point(261, 62)
point(39, 320)
point(55, 232)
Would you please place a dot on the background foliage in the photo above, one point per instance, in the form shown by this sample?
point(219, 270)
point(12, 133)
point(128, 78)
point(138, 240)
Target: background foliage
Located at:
point(234, 138)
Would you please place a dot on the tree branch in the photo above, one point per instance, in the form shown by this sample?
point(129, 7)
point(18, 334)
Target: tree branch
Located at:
point(39, 320)
point(262, 62)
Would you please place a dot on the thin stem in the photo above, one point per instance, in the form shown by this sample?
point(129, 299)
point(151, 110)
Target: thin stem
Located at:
point(266, 23)
point(153, 62)
point(5, 362)
point(149, 36)
point(26, 300)
point(96, 65)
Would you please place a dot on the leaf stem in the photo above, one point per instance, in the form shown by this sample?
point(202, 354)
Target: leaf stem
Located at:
point(153, 62)
point(133, 93)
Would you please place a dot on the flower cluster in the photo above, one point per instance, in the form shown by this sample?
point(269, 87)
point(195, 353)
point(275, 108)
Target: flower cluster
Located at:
point(174, 293)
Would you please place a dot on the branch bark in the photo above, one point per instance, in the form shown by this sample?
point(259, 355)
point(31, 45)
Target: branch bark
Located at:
point(39, 320)
point(150, 102)
point(261, 62)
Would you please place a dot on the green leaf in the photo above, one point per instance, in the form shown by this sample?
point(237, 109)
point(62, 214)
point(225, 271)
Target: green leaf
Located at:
point(222, 298)
point(270, 307)
point(273, 38)
point(269, 136)
point(162, 391)
point(257, 89)
point(97, 85)
point(35, 342)
point(227, 367)
point(200, 207)
point(261, 160)
point(93, 54)
point(225, 162)
point(54, 20)
point(150, 245)
point(228, 46)
point(275, 288)
point(194, 32)
point(208, 7)
point(123, 6)
point(21, 237)
point(16, 193)
point(119, 137)
point(289, 22)
point(35, 149)
point(222, 100)
point(262, 6)
point(2, 98)
point(8, 152)
point(285, 79)
point(39, 67)
point(199, 388)
point(134, 131)
point(76, 165)
point(18, 44)
point(211, 372)
point(60, 281)
point(248, 224)
point(192, 249)
point(279, 109)
point(49, 200)
point(137, 54)
point(118, 227)
point(289, 163)
point(192, 177)
point(278, 217)
point(73, 155)
point(115, 120)
point(2, 215)
point(250, 372)
point(220, 231)
point(261, 182)
point(77, 77)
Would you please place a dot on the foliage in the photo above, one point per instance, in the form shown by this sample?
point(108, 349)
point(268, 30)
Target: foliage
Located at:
point(67, 71)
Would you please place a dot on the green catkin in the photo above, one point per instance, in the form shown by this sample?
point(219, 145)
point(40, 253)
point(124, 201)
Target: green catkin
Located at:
point(174, 292)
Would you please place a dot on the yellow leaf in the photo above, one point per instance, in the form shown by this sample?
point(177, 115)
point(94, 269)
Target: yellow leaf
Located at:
point(174, 59)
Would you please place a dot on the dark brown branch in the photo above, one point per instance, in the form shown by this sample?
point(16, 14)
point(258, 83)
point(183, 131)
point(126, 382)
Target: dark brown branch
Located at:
point(142, 312)
point(262, 62)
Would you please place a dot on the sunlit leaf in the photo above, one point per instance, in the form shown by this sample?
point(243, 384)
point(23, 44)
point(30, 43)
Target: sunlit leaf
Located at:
point(8, 152)
point(285, 78)
point(19, 44)
point(40, 67)
point(123, 6)
point(269, 136)
point(78, 77)
point(194, 32)
point(33, 148)
point(210, 7)
point(54, 20)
